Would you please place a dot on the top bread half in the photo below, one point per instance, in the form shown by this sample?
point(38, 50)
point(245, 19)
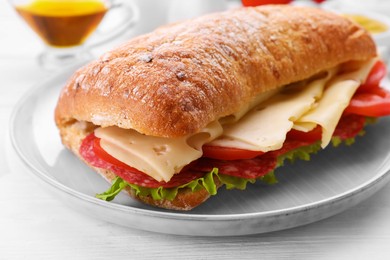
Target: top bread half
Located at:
point(179, 78)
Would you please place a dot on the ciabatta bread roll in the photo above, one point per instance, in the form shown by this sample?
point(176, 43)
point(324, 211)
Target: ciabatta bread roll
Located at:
point(182, 77)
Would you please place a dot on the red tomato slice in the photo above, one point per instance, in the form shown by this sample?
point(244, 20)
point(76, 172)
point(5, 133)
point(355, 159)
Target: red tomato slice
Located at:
point(311, 137)
point(228, 154)
point(264, 2)
point(377, 73)
point(375, 103)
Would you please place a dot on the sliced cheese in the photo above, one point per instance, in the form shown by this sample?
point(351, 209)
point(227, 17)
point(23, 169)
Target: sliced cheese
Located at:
point(321, 102)
point(158, 157)
point(264, 128)
point(330, 107)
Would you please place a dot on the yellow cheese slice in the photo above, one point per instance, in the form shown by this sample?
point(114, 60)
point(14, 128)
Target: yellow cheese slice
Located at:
point(321, 102)
point(264, 128)
point(158, 157)
point(336, 98)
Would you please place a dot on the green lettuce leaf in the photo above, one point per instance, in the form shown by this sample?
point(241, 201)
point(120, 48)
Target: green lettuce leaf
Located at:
point(117, 186)
point(207, 181)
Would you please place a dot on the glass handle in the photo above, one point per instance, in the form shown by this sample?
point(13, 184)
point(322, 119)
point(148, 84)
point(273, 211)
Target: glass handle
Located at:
point(129, 16)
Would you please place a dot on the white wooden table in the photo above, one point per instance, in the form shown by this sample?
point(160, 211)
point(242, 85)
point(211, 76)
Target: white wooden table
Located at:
point(35, 225)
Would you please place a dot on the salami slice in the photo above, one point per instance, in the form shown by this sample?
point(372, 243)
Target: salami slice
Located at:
point(249, 169)
point(290, 145)
point(134, 177)
point(349, 126)
point(87, 153)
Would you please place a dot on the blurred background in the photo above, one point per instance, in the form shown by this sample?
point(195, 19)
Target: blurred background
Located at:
point(19, 40)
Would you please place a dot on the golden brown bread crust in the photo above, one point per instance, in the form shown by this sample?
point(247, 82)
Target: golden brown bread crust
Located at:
point(72, 136)
point(176, 80)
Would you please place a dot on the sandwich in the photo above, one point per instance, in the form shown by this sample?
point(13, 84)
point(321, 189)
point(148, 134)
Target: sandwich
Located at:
point(220, 101)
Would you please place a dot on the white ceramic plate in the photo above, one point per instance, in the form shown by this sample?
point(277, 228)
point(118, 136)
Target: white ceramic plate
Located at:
point(334, 180)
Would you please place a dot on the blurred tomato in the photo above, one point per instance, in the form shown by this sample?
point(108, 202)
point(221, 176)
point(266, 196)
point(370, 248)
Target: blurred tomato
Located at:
point(264, 2)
